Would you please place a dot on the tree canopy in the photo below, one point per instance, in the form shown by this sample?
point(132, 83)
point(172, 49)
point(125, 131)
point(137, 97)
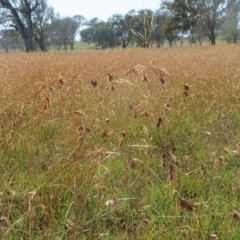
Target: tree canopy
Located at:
point(33, 25)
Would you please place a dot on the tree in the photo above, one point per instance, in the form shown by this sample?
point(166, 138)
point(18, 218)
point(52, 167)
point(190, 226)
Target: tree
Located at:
point(104, 36)
point(42, 17)
point(87, 34)
point(183, 16)
point(121, 26)
point(60, 32)
point(75, 26)
point(10, 38)
point(158, 31)
point(101, 33)
point(20, 15)
point(202, 16)
point(170, 29)
point(212, 11)
point(64, 30)
point(231, 25)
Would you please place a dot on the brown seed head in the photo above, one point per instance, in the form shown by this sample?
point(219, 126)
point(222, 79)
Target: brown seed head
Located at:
point(213, 237)
point(186, 87)
point(132, 163)
point(186, 205)
point(94, 82)
point(144, 78)
point(162, 80)
point(109, 77)
point(235, 216)
point(159, 122)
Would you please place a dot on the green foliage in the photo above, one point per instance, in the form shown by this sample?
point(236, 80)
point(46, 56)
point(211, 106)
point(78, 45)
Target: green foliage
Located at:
point(230, 27)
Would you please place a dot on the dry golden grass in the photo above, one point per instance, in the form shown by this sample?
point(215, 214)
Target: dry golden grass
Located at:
point(94, 142)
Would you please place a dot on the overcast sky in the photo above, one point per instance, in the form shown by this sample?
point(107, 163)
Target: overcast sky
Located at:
point(101, 9)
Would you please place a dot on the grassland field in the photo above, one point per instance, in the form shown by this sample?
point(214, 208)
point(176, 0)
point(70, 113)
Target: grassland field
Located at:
point(121, 144)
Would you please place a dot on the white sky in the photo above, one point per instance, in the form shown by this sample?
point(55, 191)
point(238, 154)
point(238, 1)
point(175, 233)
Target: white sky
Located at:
point(101, 9)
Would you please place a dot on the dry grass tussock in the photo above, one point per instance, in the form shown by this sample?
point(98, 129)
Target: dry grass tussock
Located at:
point(93, 143)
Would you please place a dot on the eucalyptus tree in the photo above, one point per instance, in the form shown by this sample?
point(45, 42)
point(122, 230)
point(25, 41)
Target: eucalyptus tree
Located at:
point(121, 26)
point(202, 16)
point(19, 15)
point(60, 32)
point(231, 25)
point(75, 26)
point(100, 33)
point(9, 39)
point(158, 31)
point(65, 30)
point(170, 29)
point(212, 12)
point(42, 18)
point(104, 36)
point(88, 33)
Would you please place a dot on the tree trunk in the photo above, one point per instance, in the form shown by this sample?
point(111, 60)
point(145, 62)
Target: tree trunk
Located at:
point(5, 45)
point(39, 38)
point(40, 42)
point(29, 46)
point(65, 46)
point(25, 9)
point(212, 37)
point(19, 26)
point(72, 44)
point(235, 37)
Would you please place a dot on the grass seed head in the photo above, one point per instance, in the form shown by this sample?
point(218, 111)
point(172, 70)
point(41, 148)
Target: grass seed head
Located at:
point(107, 120)
point(94, 82)
point(173, 168)
point(81, 128)
point(123, 133)
point(171, 177)
point(235, 216)
point(184, 204)
point(213, 237)
point(88, 130)
point(79, 112)
point(203, 168)
point(162, 80)
point(132, 71)
point(81, 139)
point(108, 134)
point(175, 194)
point(124, 179)
point(186, 89)
point(4, 222)
point(111, 203)
point(61, 80)
point(172, 172)
point(109, 77)
point(98, 235)
point(132, 163)
point(159, 122)
point(146, 221)
point(163, 72)
point(144, 78)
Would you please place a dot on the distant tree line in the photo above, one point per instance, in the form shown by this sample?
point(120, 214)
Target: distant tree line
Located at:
point(34, 25)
